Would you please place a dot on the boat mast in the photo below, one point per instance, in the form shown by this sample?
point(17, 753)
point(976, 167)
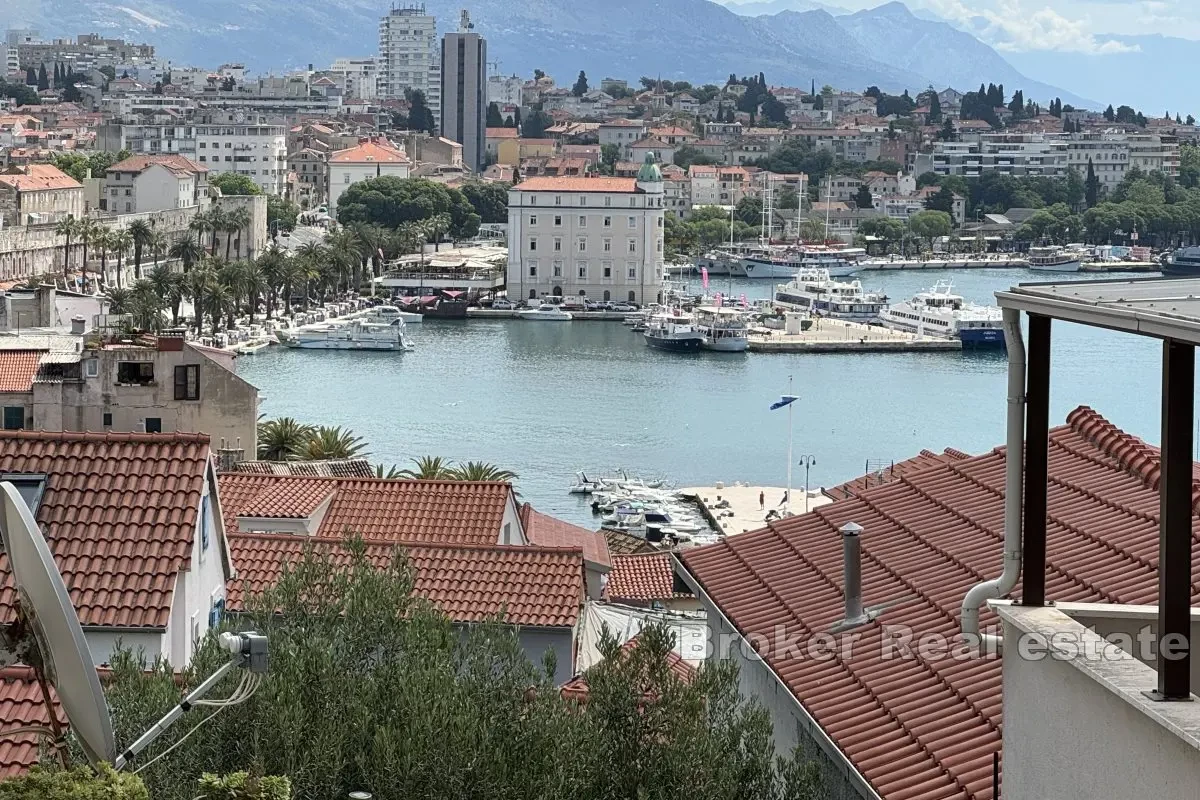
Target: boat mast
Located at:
point(787, 505)
point(828, 203)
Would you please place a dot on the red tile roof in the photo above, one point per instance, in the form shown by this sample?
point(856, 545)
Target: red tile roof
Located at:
point(547, 531)
point(180, 165)
point(22, 705)
point(446, 512)
point(642, 577)
point(369, 152)
point(571, 184)
point(119, 512)
point(577, 688)
point(331, 468)
point(622, 543)
point(921, 727)
point(502, 133)
point(537, 586)
point(18, 368)
point(38, 178)
point(926, 458)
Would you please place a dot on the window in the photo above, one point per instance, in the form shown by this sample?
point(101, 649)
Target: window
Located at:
point(533, 269)
point(632, 223)
point(608, 201)
point(202, 145)
point(91, 367)
point(608, 245)
point(558, 200)
point(632, 272)
point(558, 265)
point(153, 424)
point(533, 294)
point(607, 295)
point(106, 420)
point(608, 222)
point(532, 244)
point(187, 382)
point(557, 221)
point(632, 202)
point(533, 199)
point(632, 296)
point(507, 536)
point(345, 176)
point(29, 485)
point(14, 418)
point(633, 245)
point(583, 199)
point(136, 372)
point(533, 219)
point(581, 269)
point(582, 245)
point(607, 267)
point(557, 244)
point(583, 222)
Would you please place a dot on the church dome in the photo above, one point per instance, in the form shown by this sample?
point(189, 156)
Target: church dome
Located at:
point(649, 173)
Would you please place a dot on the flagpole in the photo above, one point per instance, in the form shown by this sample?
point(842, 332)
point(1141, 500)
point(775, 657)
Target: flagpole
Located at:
point(788, 503)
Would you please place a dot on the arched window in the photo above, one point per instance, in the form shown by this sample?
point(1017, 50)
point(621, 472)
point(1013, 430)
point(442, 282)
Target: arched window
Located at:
point(557, 291)
point(632, 296)
point(533, 294)
point(607, 295)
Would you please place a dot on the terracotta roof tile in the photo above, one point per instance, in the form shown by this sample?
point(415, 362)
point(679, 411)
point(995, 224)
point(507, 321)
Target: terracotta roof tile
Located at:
point(22, 705)
point(622, 543)
point(547, 531)
point(18, 368)
point(369, 152)
point(926, 458)
point(537, 586)
point(332, 468)
point(447, 512)
point(119, 513)
point(920, 727)
point(642, 577)
point(180, 165)
point(502, 133)
point(572, 184)
point(38, 177)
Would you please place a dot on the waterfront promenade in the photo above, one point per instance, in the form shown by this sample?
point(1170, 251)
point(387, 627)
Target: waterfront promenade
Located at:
point(733, 509)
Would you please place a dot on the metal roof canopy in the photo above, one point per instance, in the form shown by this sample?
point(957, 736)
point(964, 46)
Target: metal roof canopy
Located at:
point(1165, 308)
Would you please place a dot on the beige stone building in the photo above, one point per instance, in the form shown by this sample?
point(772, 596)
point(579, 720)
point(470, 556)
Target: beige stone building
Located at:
point(151, 385)
point(38, 194)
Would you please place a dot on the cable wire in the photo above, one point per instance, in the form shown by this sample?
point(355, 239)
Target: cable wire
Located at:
point(244, 691)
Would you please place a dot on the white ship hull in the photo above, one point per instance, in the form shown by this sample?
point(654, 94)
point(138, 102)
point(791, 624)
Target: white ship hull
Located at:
point(756, 268)
point(1065, 266)
point(334, 344)
point(726, 344)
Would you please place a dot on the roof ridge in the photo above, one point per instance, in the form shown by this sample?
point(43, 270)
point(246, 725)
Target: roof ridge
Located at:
point(97, 436)
point(1133, 454)
point(331, 540)
point(361, 479)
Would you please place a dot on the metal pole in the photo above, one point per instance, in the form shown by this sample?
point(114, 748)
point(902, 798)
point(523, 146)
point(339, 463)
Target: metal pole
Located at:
point(787, 503)
point(1037, 446)
point(1175, 523)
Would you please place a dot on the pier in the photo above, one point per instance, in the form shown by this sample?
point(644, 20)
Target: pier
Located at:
point(576, 316)
point(841, 336)
point(742, 513)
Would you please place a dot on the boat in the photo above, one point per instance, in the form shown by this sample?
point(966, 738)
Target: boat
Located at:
point(446, 304)
point(253, 347)
point(1184, 262)
point(1054, 259)
point(349, 335)
point(673, 330)
point(777, 262)
point(389, 313)
point(546, 312)
point(940, 313)
point(724, 329)
point(815, 291)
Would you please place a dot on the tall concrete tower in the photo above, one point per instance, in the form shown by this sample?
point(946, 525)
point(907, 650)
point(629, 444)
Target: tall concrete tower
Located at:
point(464, 91)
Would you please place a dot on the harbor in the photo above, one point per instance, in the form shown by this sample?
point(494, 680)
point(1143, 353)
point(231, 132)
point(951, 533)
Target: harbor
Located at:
point(844, 336)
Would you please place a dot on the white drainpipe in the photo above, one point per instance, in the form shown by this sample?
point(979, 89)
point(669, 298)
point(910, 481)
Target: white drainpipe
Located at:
point(1014, 477)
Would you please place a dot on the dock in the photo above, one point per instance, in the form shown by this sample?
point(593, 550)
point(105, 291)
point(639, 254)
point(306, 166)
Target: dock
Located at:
point(743, 513)
point(842, 336)
point(576, 316)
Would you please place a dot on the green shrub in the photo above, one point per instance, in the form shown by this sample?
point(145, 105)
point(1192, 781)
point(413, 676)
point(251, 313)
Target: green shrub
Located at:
point(80, 783)
point(242, 786)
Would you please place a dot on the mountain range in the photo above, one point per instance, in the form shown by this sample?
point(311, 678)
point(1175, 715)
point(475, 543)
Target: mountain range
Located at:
point(696, 40)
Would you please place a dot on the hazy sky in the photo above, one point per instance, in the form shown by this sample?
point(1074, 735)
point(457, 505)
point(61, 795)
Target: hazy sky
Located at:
point(1068, 25)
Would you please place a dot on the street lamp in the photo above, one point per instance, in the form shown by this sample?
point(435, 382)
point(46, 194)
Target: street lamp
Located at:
point(808, 462)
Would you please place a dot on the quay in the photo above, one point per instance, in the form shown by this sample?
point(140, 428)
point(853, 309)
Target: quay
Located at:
point(949, 262)
point(732, 509)
point(576, 316)
point(842, 336)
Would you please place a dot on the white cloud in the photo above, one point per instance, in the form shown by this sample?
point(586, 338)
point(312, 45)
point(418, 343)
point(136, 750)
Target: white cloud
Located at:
point(1012, 25)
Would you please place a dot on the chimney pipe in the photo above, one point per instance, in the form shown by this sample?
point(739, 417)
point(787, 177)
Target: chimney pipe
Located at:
point(852, 571)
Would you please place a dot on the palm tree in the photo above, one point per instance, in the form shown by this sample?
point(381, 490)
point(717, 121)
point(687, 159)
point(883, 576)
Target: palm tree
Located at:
point(142, 233)
point(102, 239)
point(158, 244)
point(482, 471)
point(280, 439)
point(146, 306)
point(168, 285)
point(119, 300)
point(310, 256)
point(66, 227)
point(195, 286)
point(271, 268)
point(86, 230)
point(188, 250)
point(237, 220)
point(202, 223)
point(216, 221)
point(437, 226)
point(389, 473)
point(430, 468)
point(293, 271)
point(327, 443)
point(373, 239)
point(122, 240)
point(253, 286)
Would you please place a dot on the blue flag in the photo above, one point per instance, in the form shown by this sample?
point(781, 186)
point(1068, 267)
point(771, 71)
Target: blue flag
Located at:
point(785, 400)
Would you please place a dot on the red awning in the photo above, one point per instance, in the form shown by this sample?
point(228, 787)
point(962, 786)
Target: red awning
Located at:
point(429, 298)
point(406, 300)
point(452, 292)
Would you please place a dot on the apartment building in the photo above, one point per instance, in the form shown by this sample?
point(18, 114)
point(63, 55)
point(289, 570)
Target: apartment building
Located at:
point(369, 159)
point(38, 194)
point(596, 237)
point(622, 132)
point(1108, 154)
point(357, 77)
point(146, 183)
point(1010, 154)
point(718, 186)
point(1152, 152)
point(464, 92)
point(504, 90)
point(410, 56)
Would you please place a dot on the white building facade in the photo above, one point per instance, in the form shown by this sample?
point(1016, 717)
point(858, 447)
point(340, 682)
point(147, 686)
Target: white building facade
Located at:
point(410, 56)
point(367, 160)
point(600, 238)
point(357, 77)
point(504, 90)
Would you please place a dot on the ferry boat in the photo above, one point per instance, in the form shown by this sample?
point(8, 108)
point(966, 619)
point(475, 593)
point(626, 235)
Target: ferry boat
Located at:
point(1184, 262)
point(546, 312)
point(813, 290)
point(939, 312)
point(1054, 259)
point(351, 335)
point(724, 329)
point(673, 330)
point(775, 262)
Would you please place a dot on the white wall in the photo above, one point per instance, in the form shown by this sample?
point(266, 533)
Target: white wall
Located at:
point(102, 643)
point(201, 585)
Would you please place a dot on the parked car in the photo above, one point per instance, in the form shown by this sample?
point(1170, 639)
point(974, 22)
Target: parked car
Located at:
point(594, 305)
point(624, 307)
point(503, 304)
point(573, 304)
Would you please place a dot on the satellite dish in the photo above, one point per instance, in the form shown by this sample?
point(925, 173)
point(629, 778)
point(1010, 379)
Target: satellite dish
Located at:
point(47, 635)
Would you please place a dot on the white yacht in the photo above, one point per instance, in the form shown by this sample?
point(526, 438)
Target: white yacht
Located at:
point(1054, 259)
point(349, 335)
point(546, 312)
point(941, 313)
point(389, 313)
point(814, 290)
point(724, 329)
point(780, 262)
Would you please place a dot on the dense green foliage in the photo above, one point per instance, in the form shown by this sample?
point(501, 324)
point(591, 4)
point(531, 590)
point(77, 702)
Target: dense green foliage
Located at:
point(80, 783)
point(707, 227)
point(77, 165)
point(488, 198)
point(243, 786)
point(231, 183)
point(389, 202)
point(372, 689)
